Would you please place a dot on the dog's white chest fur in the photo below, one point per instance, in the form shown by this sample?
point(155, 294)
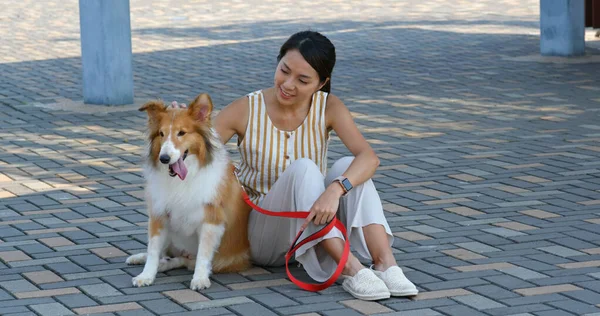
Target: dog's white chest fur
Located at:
point(183, 201)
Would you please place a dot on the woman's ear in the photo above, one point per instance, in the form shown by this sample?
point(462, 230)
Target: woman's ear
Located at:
point(323, 83)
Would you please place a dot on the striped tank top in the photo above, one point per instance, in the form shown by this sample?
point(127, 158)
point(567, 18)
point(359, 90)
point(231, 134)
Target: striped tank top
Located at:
point(266, 151)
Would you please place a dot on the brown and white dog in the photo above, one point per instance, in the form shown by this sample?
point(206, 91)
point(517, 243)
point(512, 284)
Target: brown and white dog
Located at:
point(197, 217)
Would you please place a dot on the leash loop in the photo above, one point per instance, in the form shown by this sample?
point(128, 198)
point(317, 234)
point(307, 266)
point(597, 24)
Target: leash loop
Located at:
point(313, 287)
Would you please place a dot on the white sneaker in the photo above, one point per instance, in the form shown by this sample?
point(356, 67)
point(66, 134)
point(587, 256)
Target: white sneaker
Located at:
point(365, 285)
point(396, 281)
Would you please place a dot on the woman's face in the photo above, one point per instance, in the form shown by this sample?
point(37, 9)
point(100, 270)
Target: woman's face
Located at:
point(295, 79)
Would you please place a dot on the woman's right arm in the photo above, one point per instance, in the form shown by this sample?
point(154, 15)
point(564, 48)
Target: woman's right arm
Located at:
point(232, 120)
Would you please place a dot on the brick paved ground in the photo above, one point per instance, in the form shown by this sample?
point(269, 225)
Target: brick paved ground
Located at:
point(489, 172)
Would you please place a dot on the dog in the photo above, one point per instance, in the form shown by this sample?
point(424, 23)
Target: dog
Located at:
point(197, 216)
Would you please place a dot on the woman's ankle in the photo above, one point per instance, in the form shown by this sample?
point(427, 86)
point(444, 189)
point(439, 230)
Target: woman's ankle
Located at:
point(384, 263)
point(352, 266)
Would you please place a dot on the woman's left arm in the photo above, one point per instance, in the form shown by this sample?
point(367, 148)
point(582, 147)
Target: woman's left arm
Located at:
point(361, 169)
point(365, 160)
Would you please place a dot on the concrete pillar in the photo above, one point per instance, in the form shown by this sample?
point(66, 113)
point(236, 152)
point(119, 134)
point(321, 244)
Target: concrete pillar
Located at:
point(562, 27)
point(106, 54)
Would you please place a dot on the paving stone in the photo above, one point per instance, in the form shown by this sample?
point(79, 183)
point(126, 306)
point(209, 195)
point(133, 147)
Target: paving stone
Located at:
point(76, 300)
point(464, 211)
point(108, 252)
point(442, 294)
point(562, 280)
point(162, 306)
point(463, 254)
point(100, 290)
point(185, 296)
point(320, 307)
point(366, 307)
point(251, 309)
point(46, 293)
point(454, 284)
point(17, 311)
point(49, 221)
point(575, 307)
point(579, 265)
point(4, 295)
point(404, 305)
point(537, 265)
point(18, 286)
point(516, 226)
point(41, 277)
point(81, 246)
point(87, 260)
point(219, 303)
point(9, 256)
point(493, 291)
point(416, 312)
point(65, 268)
point(540, 214)
point(584, 296)
point(345, 311)
point(107, 308)
point(425, 229)
point(255, 284)
point(477, 247)
point(9, 232)
point(509, 282)
point(315, 299)
point(52, 309)
point(548, 289)
point(503, 232)
point(478, 302)
point(137, 312)
point(273, 300)
point(524, 309)
point(412, 236)
point(490, 266)
point(459, 310)
point(523, 273)
point(554, 313)
point(56, 241)
point(562, 251)
point(160, 288)
point(35, 249)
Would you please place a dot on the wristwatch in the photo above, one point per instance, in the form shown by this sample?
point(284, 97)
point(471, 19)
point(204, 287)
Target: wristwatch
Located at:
point(345, 183)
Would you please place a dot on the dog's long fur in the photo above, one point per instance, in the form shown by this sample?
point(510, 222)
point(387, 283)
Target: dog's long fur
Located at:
point(201, 221)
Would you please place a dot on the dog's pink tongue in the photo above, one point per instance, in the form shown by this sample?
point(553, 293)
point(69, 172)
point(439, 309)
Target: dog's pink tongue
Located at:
point(179, 168)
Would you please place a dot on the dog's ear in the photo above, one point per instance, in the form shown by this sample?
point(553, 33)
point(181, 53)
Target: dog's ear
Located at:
point(153, 108)
point(201, 107)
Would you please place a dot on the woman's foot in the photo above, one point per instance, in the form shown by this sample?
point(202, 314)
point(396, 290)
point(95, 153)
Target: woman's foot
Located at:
point(396, 281)
point(365, 285)
point(361, 282)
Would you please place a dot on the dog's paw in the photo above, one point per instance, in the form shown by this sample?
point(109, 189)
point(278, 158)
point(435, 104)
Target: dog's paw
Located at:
point(200, 283)
point(142, 280)
point(139, 258)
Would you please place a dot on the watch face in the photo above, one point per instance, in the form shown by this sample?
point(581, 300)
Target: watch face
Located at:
point(346, 184)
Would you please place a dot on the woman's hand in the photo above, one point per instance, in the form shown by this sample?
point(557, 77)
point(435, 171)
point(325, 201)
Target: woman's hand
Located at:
point(176, 105)
point(325, 207)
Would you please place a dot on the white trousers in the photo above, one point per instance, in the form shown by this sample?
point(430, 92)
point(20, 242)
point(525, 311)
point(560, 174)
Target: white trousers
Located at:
point(298, 187)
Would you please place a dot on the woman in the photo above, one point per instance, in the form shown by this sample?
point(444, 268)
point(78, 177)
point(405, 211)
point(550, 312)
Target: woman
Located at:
point(283, 134)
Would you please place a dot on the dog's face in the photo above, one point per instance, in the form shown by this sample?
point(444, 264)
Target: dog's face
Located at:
point(176, 134)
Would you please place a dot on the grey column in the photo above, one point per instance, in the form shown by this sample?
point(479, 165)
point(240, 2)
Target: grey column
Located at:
point(562, 27)
point(106, 54)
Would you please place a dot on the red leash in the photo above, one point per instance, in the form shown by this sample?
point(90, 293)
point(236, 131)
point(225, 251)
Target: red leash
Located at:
point(313, 287)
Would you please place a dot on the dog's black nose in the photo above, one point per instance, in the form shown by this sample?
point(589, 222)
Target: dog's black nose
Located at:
point(164, 158)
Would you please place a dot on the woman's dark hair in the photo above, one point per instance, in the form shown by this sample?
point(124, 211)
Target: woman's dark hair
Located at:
point(316, 49)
